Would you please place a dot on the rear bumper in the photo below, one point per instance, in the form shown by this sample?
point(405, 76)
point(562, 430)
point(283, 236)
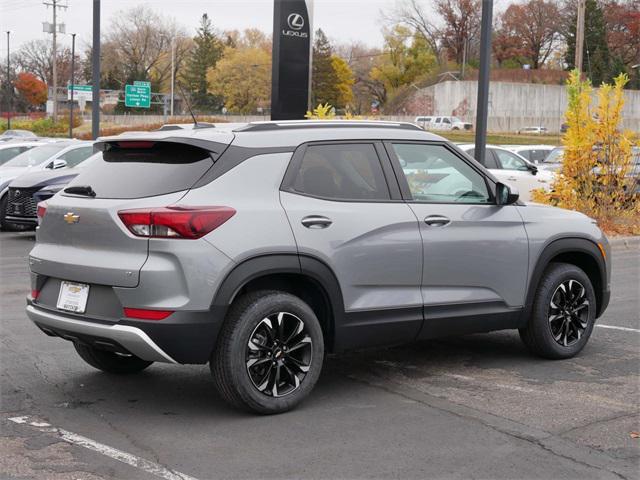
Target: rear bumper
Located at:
point(184, 337)
point(131, 339)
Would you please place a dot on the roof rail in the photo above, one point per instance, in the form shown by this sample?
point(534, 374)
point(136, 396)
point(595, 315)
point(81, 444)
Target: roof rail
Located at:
point(298, 124)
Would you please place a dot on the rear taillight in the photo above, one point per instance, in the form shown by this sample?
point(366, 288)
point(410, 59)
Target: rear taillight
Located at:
point(175, 222)
point(41, 211)
point(35, 294)
point(146, 314)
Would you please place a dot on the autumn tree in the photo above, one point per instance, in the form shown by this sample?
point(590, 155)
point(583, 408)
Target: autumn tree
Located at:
point(36, 57)
point(530, 30)
point(419, 18)
point(622, 19)
point(461, 26)
point(595, 174)
point(205, 54)
point(242, 77)
point(406, 58)
point(332, 79)
point(366, 90)
point(31, 88)
point(137, 46)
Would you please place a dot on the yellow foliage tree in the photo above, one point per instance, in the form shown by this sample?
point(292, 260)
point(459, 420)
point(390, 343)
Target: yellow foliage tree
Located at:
point(321, 112)
point(243, 78)
point(344, 81)
point(594, 178)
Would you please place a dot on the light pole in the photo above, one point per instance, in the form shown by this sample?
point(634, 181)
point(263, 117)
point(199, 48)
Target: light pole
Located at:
point(482, 109)
point(73, 78)
point(10, 90)
point(95, 74)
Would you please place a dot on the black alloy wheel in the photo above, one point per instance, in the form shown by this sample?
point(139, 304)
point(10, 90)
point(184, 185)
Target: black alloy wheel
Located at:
point(279, 354)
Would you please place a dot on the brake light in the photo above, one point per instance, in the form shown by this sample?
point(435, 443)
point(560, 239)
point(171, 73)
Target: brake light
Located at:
point(136, 144)
point(35, 294)
point(41, 211)
point(175, 222)
point(146, 314)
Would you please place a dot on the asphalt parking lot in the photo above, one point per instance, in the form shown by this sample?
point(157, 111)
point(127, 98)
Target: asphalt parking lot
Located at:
point(471, 407)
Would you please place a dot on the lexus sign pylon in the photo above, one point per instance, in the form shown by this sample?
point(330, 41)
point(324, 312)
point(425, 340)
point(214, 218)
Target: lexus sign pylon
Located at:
point(291, 67)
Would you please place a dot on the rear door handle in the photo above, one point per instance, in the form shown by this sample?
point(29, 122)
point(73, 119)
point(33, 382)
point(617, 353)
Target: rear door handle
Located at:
point(316, 221)
point(437, 221)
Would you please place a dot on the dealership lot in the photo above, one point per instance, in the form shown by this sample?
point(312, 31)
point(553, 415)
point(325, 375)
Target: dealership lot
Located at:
point(476, 406)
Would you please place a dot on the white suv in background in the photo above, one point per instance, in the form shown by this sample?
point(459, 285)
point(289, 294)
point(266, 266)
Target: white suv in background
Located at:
point(512, 169)
point(442, 123)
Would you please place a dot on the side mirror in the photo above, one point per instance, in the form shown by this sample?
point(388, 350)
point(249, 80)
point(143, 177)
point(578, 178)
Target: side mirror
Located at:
point(506, 195)
point(59, 163)
point(533, 169)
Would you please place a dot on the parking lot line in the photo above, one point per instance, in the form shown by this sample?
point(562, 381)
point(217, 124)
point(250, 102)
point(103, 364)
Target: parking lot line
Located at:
point(624, 329)
point(119, 455)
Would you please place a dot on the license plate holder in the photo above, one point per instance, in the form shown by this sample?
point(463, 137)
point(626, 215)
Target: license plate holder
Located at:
point(73, 297)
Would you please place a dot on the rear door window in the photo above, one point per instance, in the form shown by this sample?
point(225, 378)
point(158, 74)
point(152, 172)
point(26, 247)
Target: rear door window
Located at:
point(489, 158)
point(144, 169)
point(341, 172)
point(77, 155)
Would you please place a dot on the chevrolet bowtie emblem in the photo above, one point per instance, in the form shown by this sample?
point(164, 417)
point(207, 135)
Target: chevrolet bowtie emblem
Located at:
point(71, 217)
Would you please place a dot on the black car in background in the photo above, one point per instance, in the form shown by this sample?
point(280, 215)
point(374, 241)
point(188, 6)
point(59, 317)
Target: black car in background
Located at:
point(26, 191)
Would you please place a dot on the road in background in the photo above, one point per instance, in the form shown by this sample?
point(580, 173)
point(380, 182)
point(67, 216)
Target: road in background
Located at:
point(476, 406)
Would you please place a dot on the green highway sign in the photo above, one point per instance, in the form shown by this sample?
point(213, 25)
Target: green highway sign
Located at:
point(140, 83)
point(138, 95)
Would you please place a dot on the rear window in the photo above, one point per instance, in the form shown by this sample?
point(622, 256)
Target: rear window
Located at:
point(144, 169)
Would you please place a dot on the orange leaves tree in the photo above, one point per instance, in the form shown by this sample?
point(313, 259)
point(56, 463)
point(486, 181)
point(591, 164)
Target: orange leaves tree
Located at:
point(595, 177)
point(31, 88)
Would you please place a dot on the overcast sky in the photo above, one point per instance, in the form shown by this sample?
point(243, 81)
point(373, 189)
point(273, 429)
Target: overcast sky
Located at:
point(342, 20)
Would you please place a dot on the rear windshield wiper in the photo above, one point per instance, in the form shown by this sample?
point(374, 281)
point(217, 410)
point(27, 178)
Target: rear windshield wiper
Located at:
point(85, 190)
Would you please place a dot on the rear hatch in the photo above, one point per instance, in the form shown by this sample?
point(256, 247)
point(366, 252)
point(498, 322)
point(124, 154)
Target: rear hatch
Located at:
point(82, 238)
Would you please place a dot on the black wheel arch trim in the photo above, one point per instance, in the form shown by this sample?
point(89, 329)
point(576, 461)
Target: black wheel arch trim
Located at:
point(281, 263)
point(570, 245)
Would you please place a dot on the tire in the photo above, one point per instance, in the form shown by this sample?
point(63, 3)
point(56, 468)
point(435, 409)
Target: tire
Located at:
point(569, 289)
point(249, 353)
point(3, 211)
point(110, 362)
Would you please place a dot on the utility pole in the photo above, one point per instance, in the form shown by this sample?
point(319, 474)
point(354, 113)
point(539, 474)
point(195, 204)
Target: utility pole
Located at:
point(173, 69)
point(73, 78)
point(95, 74)
point(9, 88)
point(580, 34)
point(56, 5)
point(482, 109)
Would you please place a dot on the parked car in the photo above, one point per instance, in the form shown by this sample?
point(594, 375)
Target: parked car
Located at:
point(258, 249)
point(442, 123)
point(17, 134)
point(50, 156)
point(553, 161)
point(26, 191)
point(8, 150)
point(534, 153)
point(511, 168)
point(533, 131)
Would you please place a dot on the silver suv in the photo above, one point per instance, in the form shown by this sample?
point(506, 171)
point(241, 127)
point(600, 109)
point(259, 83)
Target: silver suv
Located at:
point(259, 248)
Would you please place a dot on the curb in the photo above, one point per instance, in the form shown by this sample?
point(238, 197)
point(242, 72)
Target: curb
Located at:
point(625, 242)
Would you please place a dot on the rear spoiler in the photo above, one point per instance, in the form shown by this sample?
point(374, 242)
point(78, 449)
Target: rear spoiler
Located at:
point(215, 148)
